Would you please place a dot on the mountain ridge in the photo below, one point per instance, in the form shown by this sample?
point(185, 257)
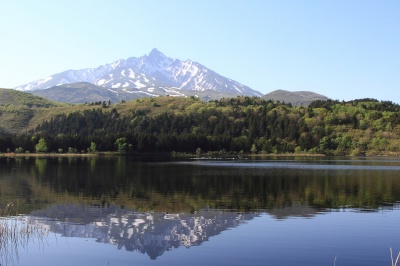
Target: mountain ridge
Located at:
point(151, 75)
point(148, 71)
point(296, 98)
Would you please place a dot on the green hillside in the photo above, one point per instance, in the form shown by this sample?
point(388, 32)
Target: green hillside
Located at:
point(230, 125)
point(20, 110)
point(16, 110)
point(19, 98)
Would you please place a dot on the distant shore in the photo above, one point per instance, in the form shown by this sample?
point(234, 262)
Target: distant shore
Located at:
point(11, 154)
point(181, 155)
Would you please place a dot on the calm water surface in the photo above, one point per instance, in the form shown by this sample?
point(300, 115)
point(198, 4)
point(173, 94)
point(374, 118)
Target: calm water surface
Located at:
point(127, 211)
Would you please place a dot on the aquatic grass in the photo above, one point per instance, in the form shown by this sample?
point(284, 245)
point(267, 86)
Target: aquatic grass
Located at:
point(16, 232)
point(394, 263)
point(6, 210)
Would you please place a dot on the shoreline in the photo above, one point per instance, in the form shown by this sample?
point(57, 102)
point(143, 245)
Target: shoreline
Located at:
point(183, 155)
point(43, 155)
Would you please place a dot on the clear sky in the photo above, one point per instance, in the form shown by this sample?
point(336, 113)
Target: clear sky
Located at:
point(344, 49)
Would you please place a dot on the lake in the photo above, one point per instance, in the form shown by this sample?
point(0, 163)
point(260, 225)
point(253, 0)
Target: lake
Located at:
point(261, 211)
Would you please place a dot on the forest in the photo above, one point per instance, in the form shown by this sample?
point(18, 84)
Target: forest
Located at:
point(241, 125)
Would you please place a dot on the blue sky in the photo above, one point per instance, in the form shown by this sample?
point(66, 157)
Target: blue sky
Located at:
point(344, 49)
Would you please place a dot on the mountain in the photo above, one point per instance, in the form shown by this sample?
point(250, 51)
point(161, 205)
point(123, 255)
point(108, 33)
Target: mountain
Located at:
point(296, 98)
point(152, 75)
point(83, 92)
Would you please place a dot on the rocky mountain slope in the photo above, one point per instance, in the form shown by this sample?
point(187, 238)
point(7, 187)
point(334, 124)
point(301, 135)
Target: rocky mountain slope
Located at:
point(150, 75)
point(85, 92)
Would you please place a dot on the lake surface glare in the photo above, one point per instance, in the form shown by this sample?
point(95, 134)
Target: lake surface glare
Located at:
point(264, 211)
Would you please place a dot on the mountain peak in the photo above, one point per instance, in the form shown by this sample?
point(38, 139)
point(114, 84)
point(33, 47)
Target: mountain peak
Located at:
point(155, 53)
point(155, 61)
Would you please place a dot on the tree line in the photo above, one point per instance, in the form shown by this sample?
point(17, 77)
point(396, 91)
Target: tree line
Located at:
point(237, 125)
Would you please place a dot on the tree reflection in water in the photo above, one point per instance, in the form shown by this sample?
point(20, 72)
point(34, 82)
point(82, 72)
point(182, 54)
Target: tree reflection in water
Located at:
point(16, 232)
point(155, 207)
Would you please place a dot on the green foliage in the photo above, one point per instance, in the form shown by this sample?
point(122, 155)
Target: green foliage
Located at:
point(19, 150)
point(93, 147)
point(253, 148)
point(198, 152)
point(41, 146)
point(248, 124)
point(72, 150)
point(121, 145)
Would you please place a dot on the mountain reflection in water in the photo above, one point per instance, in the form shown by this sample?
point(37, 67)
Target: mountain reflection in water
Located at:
point(350, 206)
point(150, 233)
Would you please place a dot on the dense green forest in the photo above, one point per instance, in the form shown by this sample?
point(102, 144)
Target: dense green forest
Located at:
point(232, 125)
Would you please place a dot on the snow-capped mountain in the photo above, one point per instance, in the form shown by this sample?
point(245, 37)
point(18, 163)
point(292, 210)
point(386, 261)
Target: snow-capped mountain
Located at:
point(146, 73)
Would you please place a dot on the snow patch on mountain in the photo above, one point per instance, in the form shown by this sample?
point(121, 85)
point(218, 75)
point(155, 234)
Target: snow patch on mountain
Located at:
point(131, 73)
point(116, 85)
point(138, 84)
point(113, 91)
